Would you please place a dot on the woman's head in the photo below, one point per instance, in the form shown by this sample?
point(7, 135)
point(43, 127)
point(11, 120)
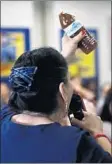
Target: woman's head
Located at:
point(40, 82)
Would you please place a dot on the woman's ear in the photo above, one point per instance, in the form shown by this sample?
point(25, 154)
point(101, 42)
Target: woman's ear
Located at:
point(63, 91)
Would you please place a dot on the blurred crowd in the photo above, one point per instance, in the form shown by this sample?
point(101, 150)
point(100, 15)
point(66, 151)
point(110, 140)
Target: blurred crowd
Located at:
point(101, 105)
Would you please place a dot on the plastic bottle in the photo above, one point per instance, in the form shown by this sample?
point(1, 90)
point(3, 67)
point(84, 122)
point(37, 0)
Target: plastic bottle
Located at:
point(72, 27)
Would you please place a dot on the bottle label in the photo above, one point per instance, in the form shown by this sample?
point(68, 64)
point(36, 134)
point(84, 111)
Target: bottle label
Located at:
point(73, 28)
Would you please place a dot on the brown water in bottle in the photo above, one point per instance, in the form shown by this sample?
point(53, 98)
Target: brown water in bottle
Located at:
point(73, 27)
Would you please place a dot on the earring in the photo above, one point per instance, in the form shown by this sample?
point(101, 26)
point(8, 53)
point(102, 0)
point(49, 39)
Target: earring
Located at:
point(66, 108)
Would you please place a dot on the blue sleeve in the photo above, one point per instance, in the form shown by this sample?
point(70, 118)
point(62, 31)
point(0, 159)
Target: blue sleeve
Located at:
point(90, 152)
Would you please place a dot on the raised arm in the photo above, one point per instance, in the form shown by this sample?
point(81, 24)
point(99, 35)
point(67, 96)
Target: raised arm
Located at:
point(91, 122)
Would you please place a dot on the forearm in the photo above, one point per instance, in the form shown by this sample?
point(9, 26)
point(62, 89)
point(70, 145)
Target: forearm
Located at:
point(105, 144)
point(67, 55)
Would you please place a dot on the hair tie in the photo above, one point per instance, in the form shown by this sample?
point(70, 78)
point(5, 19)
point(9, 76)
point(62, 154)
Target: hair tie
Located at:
point(21, 78)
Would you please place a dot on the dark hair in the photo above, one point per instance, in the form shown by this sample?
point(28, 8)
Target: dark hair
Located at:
point(42, 97)
point(106, 114)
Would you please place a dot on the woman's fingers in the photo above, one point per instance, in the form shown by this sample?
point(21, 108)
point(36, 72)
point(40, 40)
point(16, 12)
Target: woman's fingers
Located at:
point(86, 113)
point(91, 122)
point(75, 121)
point(69, 45)
point(90, 107)
point(75, 39)
point(79, 37)
point(65, 38)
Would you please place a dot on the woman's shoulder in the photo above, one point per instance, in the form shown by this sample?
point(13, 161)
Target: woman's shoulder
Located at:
point(73, 129)
point(73, 133)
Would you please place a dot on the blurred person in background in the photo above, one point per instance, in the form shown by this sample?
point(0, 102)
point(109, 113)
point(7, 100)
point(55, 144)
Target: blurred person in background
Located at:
point(100, 103)
point(5, 91)
point(91, 85)
point(106, 114)
point(84, 92)
point(37, 122)
point(106, 109)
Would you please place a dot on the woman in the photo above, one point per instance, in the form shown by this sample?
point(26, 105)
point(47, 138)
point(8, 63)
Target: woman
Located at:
point(106, 109)
point(106, 114)
point(36, 127)
point(104, 91)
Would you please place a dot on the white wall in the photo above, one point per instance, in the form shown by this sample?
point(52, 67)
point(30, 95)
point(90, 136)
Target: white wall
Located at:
point(44, 23)
point(93, 14)
point(22, 14)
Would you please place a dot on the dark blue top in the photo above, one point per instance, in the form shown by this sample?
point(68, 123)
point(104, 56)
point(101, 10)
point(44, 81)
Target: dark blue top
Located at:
point(47, 143)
